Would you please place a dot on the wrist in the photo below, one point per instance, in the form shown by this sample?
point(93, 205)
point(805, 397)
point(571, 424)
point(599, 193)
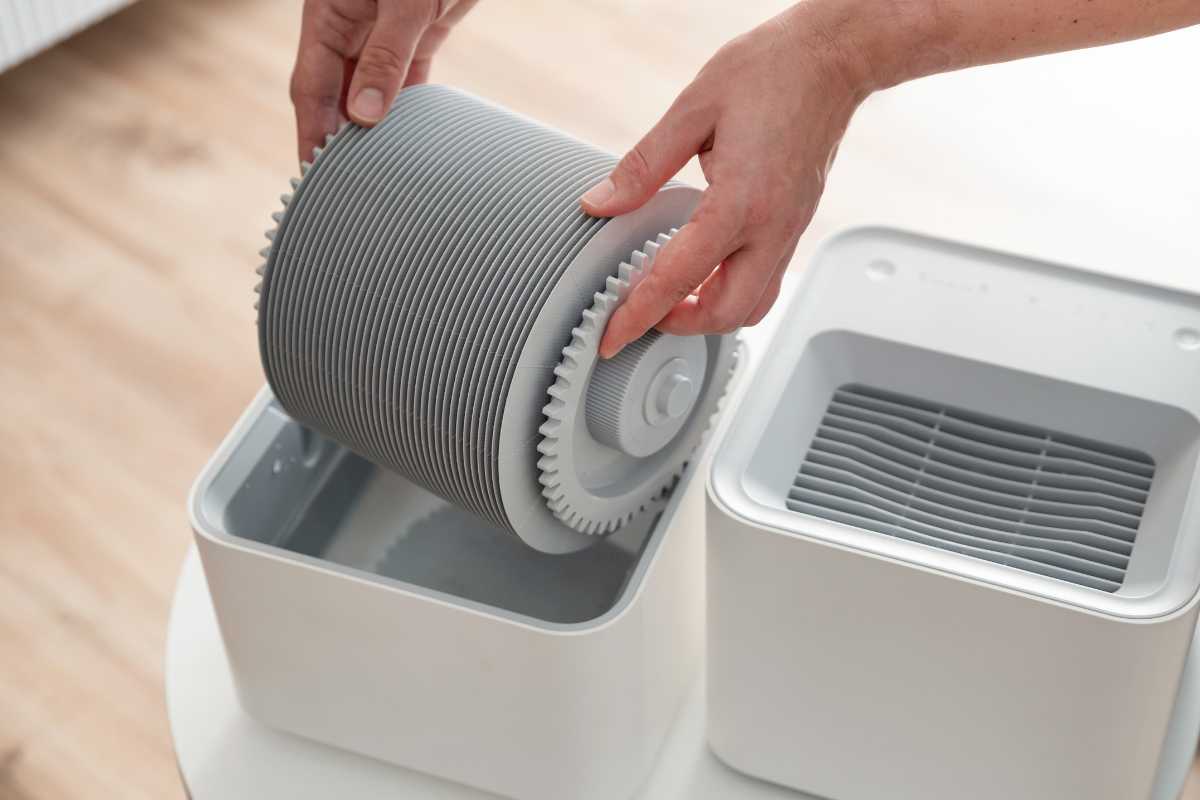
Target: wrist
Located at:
point(876, 44)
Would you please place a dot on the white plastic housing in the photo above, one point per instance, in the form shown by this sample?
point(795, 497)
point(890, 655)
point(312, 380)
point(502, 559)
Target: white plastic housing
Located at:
point(856, 666)
point(459, 655)
point(30, 26)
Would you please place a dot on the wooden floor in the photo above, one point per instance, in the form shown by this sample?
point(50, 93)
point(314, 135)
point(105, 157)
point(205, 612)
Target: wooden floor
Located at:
point(138, 164)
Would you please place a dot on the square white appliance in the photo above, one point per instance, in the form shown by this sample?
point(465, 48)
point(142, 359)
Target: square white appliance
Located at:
point(953, 539)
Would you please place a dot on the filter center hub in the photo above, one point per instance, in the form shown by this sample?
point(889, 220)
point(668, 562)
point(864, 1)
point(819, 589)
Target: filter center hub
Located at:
point(671, 393)
point(638, 400)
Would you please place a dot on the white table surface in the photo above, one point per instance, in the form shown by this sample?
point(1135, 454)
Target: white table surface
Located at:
point(1090, 159)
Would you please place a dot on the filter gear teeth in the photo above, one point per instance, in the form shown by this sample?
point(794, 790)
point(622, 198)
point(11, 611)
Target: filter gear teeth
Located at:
point(278, 216)
point(599, 501)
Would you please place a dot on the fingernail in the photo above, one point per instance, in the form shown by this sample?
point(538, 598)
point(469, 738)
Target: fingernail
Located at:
point(600, 193)
point(368, 105)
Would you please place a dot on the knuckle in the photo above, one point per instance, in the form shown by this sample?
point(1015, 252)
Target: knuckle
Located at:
point(659, 288)
point(694, 107)
point(302, 94)
point(727, 321)
point(380, 62)
point(724, 220)
point(759, 314)
point(305, 97)
point(724, 54)
point(634, 168)
point(714, 213)
point(677, 293)
point(765, 304)
point(728, 206)
point(731, 312)
point(432, 10)
point(733, 54)
point(335, 29)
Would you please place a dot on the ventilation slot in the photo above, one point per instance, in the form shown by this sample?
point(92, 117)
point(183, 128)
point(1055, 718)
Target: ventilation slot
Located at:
point(1009, 493)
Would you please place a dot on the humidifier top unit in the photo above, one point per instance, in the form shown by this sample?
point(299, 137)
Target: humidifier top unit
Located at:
point(997, 419)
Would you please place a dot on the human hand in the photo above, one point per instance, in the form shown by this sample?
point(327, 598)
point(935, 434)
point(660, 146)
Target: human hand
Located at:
point(356, 55)
point(765, 116)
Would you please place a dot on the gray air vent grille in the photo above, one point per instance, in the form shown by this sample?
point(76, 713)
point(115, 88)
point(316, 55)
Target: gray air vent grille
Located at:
point(1001, 491)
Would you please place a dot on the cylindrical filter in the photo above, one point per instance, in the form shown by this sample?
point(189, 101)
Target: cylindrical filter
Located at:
point(433, 297)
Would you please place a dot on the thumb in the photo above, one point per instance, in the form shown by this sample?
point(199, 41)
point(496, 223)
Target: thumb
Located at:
point(385, 59)
point(652, 162)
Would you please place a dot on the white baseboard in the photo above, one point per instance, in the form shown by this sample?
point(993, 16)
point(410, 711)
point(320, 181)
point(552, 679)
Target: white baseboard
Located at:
point(29, 26)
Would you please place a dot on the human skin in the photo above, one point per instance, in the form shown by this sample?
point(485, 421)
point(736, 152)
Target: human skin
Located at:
point(355, 56)
point(764, 116)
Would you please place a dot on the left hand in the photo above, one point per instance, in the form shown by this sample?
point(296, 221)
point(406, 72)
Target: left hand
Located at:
point(356, 55)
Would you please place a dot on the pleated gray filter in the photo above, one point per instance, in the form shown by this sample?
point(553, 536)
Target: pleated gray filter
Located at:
point(433, 298)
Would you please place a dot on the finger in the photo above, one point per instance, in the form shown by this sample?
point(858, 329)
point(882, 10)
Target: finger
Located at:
point(455, 11)
point(432, 39)
point(427, 46)
point(316, 88)
point(768, 297)
point(418, 71)
point(776, 283)
point(653, 161)
point(348, 65)
point(727, 298)
point(384, 61)
point(683, 264)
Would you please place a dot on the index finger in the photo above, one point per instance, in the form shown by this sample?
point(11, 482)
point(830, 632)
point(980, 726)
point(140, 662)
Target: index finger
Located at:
point(316, 91)
point(692, 254)
point(318, 78)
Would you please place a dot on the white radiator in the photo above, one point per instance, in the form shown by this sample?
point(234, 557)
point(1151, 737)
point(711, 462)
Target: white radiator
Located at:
point(29, 26)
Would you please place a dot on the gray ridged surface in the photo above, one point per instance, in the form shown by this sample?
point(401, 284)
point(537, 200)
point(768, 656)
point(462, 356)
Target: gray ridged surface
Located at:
point(606, 394)
point(421, 285)
point(1028, 498)
point(406, 274)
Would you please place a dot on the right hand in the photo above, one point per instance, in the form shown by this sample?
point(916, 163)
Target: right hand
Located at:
point(356, 55)
point(765, 116)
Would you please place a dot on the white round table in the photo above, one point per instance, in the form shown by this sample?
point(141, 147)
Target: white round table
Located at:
point(1085, 158)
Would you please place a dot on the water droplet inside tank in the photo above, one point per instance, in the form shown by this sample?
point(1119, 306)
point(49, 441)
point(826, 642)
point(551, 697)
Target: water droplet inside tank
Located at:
point(1187, 339)
point(880, 269)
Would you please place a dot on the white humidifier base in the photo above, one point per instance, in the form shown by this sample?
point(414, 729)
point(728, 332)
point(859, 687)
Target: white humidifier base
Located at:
point(224, 754)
